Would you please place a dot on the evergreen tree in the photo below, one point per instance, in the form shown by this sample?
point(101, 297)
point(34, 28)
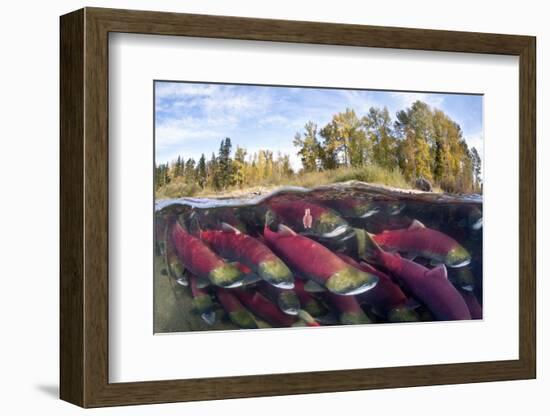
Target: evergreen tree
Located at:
point(224, 163)
point(189, 171)
point(212, 171)
point(201, 172)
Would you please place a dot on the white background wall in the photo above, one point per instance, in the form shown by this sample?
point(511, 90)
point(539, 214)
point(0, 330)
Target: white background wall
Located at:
point(29, 156)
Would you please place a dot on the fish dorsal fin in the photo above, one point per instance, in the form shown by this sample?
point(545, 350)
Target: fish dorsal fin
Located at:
point(313, 287)
point(229, 228)
point(286, 231)
point(416, 225)
point(437, 272)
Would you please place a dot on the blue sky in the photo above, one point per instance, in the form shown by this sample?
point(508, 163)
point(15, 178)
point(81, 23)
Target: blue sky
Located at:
point(192, 118)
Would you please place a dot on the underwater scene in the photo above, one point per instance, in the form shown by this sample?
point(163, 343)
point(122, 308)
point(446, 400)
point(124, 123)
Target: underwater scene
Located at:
point(344, 254)
point(279, 207)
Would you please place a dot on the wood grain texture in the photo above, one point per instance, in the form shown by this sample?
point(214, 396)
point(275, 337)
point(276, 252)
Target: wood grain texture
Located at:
point(84, 206)
point(71, 100)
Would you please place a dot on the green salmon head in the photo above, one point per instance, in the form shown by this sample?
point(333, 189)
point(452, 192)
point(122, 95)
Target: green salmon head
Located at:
point(177, 269)
point(330, 225)
point(402, 314)
point(314, 308)
point(354, 318)
point(458, 257)
point(276, 273)
point(203, 304)
point(227, 276)
point(288, 302)
point(351, 281)
point(243, 319)
point(365, 210)
point(462, 278)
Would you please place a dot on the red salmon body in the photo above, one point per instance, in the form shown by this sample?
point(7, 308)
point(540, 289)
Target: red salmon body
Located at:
point(310, 258)
point(386, 298)
point(311, 218)
point(238, 314)
point(425, 242)
point(238, 247)
point(386, 295)
point(234, 245)
point(430, 286)
point(264, 308)
point(314, 261)
point(420, 239)
point(196, 255)
point(473, 305)
point(296, 209)
point(202, 261)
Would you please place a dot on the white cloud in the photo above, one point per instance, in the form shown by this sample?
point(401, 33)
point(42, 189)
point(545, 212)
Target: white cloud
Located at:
point(167, 90)
point(406, 99)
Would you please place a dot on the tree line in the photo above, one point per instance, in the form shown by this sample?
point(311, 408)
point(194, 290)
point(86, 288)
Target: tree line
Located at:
point(223, 171)
point(420, 143)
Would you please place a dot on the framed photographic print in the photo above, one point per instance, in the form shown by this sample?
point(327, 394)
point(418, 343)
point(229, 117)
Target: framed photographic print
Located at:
point(255, 207)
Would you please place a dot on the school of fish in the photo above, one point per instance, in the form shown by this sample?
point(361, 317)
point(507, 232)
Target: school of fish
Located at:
point(316, 259)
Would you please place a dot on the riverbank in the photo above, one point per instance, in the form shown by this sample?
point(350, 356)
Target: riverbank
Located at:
point(371, 174)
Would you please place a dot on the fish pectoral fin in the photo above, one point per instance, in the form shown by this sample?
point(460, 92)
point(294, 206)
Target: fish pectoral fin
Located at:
point(370, 213)
point(313, 287)
point(229, 228)
point(439, 272)
point(435, 263)
point(286, 231)
point(416, 225)
point(209, 317)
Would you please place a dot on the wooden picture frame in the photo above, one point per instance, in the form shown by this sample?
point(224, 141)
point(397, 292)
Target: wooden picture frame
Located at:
point(84, 207)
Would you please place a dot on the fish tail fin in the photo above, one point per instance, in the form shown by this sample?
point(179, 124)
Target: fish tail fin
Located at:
point(307, 318)
point(369, 249)
point(270, 219)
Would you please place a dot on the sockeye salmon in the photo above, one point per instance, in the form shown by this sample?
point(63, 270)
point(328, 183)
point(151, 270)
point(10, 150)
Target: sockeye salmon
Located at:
point(314, 261)
point(473, 304)
point(417, 240)
point(307, 301)
point(430, 286)
point(202, 261)
point(265, 309)
point(349, 310)
point(286, 299)
point(238, 314)
point(353, 208)
point(236, 246)
point(309, 218)
point(386, 298)
point(202, 302)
